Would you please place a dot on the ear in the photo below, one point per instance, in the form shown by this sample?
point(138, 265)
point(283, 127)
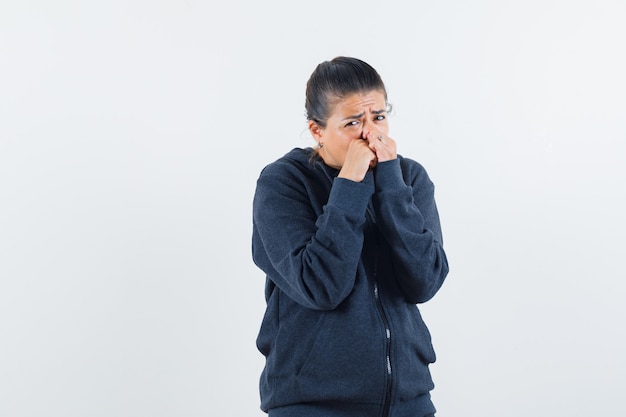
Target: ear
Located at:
point(316, 131)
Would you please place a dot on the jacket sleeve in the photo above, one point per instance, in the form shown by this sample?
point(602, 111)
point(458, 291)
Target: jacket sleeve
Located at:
point(407, 216)
point(311, 256)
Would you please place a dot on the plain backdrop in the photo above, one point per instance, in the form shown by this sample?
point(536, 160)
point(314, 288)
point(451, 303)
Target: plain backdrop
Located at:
point(131, 136)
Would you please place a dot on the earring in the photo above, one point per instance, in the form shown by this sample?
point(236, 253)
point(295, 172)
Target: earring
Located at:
point(320, 145)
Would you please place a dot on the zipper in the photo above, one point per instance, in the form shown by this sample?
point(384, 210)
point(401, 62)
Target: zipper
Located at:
point(371, 215)
point(379, 304)
point(383, 316)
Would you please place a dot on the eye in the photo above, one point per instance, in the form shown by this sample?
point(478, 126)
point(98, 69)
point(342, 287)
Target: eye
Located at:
point(352, 123)
point(380, 118)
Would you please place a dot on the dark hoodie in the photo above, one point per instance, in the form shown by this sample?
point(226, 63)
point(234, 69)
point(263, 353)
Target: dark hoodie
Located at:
point(346, 264)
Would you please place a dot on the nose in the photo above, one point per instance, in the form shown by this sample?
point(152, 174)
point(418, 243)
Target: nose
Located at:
point(366, 127)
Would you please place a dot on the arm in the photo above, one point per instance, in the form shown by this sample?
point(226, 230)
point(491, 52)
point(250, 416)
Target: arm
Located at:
point(408, 218)
point(311, 256)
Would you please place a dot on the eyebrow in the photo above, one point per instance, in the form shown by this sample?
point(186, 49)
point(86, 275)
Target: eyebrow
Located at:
point(358, 116)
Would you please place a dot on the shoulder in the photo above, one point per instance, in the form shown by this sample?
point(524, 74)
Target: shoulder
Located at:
point(286, 180)
point(414, 172)
point(295, 170)
point(296, 160)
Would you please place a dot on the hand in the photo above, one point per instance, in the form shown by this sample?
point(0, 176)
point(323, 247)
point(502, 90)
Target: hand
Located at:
point(359, 158)
point(383, 146)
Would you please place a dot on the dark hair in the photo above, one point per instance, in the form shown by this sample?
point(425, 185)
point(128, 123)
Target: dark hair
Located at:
point(337, 79)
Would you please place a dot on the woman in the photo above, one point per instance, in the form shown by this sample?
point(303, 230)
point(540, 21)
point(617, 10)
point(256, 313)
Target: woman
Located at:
point(348, 235)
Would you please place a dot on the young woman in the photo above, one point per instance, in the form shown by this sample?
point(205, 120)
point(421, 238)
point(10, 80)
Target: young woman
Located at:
point(348, 235)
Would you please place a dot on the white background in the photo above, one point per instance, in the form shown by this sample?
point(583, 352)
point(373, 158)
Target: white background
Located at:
point(131, 136)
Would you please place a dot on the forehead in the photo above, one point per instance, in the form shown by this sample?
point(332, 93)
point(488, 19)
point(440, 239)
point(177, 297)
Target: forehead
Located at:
point(359, 102)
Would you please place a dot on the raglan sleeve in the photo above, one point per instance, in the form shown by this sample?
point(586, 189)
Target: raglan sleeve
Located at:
point(311, 256)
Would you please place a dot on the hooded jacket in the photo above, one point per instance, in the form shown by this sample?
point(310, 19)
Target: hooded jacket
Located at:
point(346, 265)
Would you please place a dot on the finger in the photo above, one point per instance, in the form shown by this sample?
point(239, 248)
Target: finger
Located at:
point(376, 141)
point(375, 135)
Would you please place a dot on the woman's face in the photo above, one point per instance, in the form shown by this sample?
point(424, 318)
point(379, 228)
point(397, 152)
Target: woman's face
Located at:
point(352, 118)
